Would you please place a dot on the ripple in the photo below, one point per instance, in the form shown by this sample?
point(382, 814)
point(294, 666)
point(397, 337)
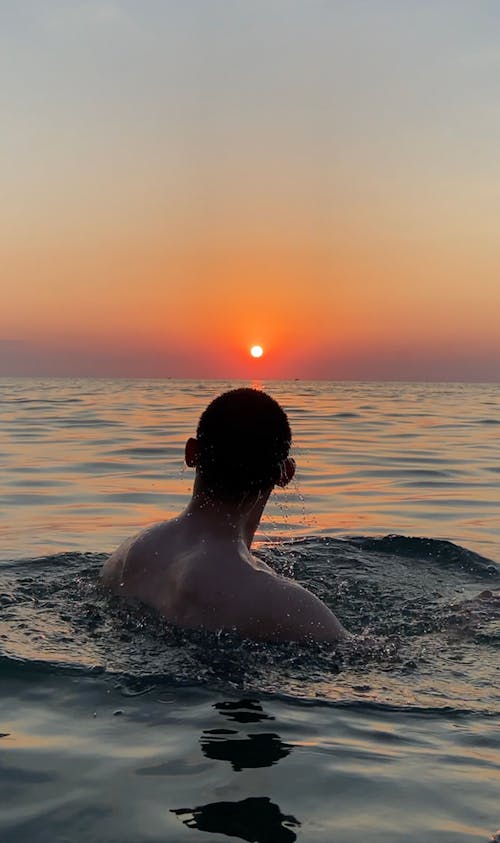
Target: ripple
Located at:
point(147, 451)
point(390, 591)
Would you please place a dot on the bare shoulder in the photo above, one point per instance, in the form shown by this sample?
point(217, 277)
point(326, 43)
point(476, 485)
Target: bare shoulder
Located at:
point(131, 557)
point(286, 611)
point(111, 571)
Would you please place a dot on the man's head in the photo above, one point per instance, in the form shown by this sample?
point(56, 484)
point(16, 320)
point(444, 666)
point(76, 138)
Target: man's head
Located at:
point(242, 445)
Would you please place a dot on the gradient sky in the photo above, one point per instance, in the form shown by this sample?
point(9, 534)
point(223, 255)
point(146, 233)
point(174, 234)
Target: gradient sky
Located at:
point(181, 179)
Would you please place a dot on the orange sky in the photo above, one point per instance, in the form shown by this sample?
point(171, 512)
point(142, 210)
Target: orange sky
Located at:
point(179, 184)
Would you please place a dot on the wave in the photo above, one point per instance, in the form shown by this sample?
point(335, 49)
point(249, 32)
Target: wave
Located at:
point(426, 628)
point(131, 685)
point(440, 551)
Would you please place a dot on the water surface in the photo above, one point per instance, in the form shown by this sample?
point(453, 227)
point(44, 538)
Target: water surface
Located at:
point(84, 462)
point(116, 727)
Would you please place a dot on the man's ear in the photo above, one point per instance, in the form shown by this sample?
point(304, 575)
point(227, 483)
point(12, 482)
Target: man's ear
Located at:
point(191, 452)
point(287, 471)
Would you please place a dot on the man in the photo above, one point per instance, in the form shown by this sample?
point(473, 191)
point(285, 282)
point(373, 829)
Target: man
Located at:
point(197, 569)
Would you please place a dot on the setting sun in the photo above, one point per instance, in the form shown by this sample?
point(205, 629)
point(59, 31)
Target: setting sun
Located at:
point(256, 351)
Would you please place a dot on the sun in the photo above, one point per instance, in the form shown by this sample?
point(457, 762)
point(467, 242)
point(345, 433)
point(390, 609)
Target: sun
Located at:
point(256, 351)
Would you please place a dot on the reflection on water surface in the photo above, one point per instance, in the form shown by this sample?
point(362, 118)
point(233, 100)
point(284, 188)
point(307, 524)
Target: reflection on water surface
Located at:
point(86, 462)
point(394, 738)
point(256, 819)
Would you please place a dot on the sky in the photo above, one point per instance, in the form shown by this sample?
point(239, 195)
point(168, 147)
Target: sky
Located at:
point(182, 179)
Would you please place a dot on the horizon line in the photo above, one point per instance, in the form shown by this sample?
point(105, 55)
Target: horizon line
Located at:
point(246, 379)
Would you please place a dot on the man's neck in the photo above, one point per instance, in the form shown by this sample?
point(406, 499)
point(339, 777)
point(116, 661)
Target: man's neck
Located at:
point(226, 520)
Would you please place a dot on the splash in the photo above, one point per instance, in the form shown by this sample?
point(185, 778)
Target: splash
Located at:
point(425, 614)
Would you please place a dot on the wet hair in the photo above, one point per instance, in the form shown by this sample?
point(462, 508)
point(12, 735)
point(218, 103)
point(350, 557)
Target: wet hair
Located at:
point(243, 438)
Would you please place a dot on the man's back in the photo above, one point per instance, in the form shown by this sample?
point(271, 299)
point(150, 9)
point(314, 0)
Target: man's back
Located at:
point(215, 583)
point(197, 570)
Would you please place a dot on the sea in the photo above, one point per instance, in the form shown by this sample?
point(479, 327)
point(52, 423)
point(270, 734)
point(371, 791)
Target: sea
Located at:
point(117, 728)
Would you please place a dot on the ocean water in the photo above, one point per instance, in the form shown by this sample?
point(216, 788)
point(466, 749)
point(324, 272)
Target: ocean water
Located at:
point(116, 727)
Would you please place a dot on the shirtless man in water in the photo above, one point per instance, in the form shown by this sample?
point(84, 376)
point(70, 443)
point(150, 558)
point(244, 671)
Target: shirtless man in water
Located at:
point(197, 569)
